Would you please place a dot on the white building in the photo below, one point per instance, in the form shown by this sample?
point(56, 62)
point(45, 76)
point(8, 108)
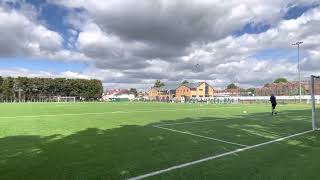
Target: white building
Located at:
point(118, 95)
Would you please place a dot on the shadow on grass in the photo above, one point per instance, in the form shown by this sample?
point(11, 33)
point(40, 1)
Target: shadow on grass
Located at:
point(132, 150)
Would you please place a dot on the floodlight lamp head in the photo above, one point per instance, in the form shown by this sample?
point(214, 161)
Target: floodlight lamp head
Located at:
point(297, 43)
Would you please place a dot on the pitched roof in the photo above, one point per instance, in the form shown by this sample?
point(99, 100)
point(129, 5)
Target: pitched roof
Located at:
point(172, 87)
point(166, 87)
point(193, 85)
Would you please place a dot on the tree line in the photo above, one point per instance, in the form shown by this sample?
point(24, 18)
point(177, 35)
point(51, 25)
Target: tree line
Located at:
point(47, 89)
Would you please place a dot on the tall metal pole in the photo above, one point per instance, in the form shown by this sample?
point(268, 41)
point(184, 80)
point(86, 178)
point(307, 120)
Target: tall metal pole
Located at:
point(314, 124)
point(299, 73)
point(298, 44)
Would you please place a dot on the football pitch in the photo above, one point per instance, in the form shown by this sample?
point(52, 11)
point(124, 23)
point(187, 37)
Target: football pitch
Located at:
point(157, 141)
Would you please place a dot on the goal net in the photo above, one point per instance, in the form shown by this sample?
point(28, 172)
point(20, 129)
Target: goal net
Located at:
point(315, 101)
point(66, 99)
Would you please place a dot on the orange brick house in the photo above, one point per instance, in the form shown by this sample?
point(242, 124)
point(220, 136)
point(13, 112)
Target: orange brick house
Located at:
point(194, 90)
point(161, 94)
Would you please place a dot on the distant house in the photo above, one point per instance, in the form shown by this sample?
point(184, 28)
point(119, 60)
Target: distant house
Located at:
point(118, 95)
point(194, 90)
point(142, 95)
point(165, 93)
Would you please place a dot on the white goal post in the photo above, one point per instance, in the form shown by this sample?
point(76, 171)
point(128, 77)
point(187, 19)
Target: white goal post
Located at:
point(314, 90)
point(66, 99)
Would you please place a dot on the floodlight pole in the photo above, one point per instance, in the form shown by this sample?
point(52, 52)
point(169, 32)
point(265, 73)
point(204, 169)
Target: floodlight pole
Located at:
point(298, 44)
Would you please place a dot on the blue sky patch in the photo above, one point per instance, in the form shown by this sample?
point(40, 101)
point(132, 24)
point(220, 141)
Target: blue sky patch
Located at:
point(296, 11)
point(252, 28)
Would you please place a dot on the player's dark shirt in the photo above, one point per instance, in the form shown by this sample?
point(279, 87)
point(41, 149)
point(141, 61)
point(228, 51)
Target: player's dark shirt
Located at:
point(273, 100)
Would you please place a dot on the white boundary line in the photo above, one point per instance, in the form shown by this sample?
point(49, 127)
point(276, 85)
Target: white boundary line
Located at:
point(215, 157)
point(97, 113)
point(197, 135)
point(191, 122)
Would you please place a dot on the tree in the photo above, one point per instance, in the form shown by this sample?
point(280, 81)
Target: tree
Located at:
point(35, 89)
point(1, 81)
point(158, 84)
point(184, 82)
point(251, 91)
point(133, 91)
point(280, 80)
point(97, 88)
point(266, 85)
point(7, 88)
point(232, 86)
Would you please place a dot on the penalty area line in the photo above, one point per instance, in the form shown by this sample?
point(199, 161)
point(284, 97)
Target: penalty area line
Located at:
point(197, 135)
point(216, 156)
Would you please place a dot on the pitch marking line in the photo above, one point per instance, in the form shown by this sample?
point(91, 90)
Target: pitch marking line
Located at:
point(99, 113)
point(191, 122)
point(197, 135)
point(216, 156)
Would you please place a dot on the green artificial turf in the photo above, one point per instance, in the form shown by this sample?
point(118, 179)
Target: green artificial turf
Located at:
point(119, 141)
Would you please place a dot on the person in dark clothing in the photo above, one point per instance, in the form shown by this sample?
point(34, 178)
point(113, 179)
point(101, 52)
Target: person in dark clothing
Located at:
point(273, 101)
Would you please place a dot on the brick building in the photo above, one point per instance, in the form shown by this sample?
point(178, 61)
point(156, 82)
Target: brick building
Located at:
point(194, 90)
point(286, 89)
point(165, 93)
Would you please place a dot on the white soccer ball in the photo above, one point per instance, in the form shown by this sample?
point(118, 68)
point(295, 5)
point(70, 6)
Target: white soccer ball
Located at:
point(245, 112)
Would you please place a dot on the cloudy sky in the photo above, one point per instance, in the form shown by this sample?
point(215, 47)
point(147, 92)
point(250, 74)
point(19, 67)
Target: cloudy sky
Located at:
point(130, 43)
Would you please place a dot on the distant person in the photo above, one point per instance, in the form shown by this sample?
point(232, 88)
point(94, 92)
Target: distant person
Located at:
point(273, 101)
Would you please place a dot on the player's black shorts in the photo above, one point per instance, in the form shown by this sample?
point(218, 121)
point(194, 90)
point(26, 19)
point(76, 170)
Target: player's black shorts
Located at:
point(274, 106)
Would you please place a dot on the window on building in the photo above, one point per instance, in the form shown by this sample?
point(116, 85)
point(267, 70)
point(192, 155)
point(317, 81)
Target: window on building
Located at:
point(200, 89)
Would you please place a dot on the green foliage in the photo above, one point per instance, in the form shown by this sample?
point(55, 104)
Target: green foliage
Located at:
point(46, 88)
point(158, 84)
point(184, 82)
point(248, 92)
point(266, 85)
point(7, 89)
point(232, 86)
point(280, 80)
point(133, 91)
point(1, 81)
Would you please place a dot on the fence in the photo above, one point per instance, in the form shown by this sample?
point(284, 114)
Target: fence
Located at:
point(254, 99)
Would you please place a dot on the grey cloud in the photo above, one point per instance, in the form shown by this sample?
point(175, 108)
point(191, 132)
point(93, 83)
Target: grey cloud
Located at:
point(132, 43)
point(121, 63)
point(20, 36)
point(167, 28)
